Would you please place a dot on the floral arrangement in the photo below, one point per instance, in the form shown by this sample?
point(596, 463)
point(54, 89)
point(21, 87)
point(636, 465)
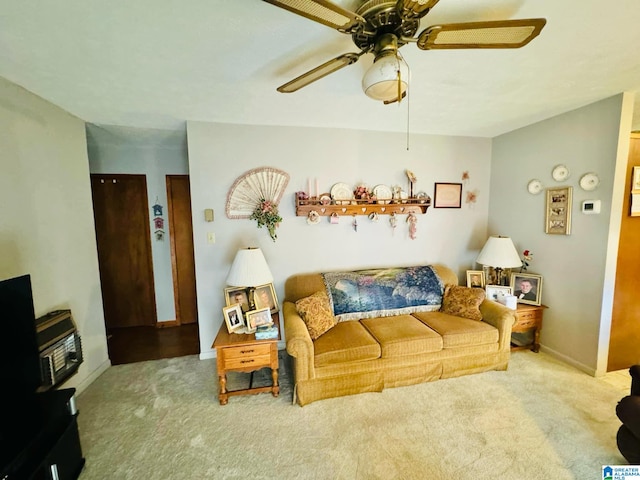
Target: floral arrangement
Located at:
point(527, 256)
point(266, 213)
point(361, 192)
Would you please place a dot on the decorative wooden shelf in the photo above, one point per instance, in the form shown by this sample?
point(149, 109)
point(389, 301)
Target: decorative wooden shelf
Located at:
point(362, 207)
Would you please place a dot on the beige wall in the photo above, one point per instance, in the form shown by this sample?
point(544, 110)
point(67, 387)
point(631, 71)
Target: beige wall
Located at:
point(576, 285)
point(46, 224)
point(219, 153)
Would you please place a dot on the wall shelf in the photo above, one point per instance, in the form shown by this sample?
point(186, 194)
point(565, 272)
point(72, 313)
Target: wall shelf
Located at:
point(362, 207)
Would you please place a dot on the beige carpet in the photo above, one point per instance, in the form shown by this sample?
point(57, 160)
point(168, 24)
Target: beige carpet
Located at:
point(159, 420)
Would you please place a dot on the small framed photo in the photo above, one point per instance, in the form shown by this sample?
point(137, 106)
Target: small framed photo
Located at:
point(447, 195)
point(233, 317)
point(233, 295)
point(475, 278)
point(257, 318)
point(527, 288)
point(558, 214)
point(635, 180)
point(265, 296)
point(496, 291)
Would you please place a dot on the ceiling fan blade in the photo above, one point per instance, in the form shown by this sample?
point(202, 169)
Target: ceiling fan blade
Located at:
point(320, 72)
point(494, 34)
point(415, 8)
point(322, 11)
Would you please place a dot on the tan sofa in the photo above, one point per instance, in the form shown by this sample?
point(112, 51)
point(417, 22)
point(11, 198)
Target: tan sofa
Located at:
point(369, 355)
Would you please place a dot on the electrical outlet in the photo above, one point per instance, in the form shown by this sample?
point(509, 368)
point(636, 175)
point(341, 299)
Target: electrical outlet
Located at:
point(211, 237)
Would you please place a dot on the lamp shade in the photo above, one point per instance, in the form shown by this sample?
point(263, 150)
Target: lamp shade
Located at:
point(380, 82)
point(249, 269)
point(499, 252)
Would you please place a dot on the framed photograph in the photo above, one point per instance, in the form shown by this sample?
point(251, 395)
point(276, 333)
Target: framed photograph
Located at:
point(527, 288)
point(558, 214)
point(257, 318)
point(233, 317)
point(475, 278)
point(447, 195)
point(233, 295)
point(635, 180)
point(265, 296)
point(634, 207)
point(496, 291)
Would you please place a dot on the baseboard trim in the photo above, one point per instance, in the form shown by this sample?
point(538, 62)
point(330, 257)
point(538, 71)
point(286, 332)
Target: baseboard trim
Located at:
point(208, 355)
point(563, 358)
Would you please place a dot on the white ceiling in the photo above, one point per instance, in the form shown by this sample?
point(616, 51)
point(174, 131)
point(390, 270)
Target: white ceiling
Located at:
point(157, 63)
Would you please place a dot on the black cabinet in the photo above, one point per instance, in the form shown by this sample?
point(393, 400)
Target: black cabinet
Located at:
point(52, 449)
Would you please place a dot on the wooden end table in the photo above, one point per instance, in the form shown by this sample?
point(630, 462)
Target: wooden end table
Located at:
point(241, 352)
point(528, 317)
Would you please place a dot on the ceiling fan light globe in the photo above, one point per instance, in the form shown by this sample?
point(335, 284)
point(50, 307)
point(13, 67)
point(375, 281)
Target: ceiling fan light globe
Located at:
point(380, 82)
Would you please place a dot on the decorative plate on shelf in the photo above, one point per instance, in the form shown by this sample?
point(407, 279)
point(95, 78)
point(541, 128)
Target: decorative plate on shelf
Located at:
point(341, 192)
point(383, 194)
point(534, 186)
point(325, 199)
point(589, 181)
point(560, 173)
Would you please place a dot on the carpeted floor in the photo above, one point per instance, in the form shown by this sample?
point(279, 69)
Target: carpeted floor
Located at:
point(160, 420)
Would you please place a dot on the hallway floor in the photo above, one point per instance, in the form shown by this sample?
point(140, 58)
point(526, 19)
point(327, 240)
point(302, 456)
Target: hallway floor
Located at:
point(138, 344)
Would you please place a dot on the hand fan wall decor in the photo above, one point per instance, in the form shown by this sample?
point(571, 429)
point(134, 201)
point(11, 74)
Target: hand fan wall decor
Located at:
point(264, 183)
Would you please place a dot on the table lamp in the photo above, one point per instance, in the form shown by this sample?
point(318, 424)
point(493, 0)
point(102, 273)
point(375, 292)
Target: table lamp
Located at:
point(249, 269)
point(499, 253)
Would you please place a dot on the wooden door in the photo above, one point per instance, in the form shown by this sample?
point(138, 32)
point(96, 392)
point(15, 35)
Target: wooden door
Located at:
point(182, 257)
point(121, 213)
point(624, 344)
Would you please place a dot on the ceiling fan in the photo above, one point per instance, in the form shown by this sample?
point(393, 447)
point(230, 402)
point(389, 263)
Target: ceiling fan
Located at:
point(381, 27)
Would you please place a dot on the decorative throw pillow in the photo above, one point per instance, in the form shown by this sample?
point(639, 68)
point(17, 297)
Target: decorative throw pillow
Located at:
point(315, 311)
point(462, 301)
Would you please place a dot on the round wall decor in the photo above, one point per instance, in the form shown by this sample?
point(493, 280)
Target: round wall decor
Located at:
point(534, 186)
point(589, 181)
point(560, 173)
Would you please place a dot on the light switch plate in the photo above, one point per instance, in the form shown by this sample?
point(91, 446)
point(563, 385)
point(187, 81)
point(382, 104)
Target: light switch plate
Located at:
point(211, 237)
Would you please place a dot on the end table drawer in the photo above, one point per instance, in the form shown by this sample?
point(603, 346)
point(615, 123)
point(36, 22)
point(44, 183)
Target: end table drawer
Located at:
point(528, 315)
point(524, 323)
point(249, 351)
point(257, 361)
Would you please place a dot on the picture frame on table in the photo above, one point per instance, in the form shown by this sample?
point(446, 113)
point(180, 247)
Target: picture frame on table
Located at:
point(558, 211)
point(447, 195)
point(257, 318)
point(233, 317)
point(635, 180)
point(475, 278)
point(265, 296)
point(240, 295)
point(493, 292)
point(527, 287)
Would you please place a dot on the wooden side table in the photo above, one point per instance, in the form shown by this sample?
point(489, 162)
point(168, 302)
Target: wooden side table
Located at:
point(241, 352)
point(528, 317)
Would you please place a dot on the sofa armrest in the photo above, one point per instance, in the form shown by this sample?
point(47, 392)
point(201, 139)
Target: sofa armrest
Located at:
point(502, 318)
point(299, 343)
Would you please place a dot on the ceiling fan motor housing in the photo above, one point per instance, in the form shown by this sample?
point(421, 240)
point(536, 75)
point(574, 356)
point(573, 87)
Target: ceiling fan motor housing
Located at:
point(382, 17)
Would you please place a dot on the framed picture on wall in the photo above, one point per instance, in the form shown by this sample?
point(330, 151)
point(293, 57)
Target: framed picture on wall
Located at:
point(558, 211)
point(635, 180)
point(447, 195)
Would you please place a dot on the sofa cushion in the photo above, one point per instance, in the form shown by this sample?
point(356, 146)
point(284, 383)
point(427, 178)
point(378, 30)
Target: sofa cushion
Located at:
point(346, 342)
point(402, 335)
point(462, 301)
point(458, 331)
point(316, 313)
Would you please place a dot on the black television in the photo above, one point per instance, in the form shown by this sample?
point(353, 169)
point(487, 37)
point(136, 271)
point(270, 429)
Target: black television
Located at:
point(19, 356)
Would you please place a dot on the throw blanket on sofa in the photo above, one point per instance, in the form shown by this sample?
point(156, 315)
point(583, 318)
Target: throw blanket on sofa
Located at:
point(383, 292)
